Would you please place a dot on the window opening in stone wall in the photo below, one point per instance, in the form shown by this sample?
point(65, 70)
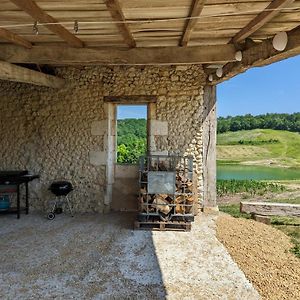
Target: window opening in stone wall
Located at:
point(131, 133)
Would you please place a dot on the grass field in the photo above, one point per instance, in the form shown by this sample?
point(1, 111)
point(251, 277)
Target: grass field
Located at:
point(260, 147)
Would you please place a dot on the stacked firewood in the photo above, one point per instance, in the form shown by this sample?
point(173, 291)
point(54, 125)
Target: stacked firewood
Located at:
point(181, 203)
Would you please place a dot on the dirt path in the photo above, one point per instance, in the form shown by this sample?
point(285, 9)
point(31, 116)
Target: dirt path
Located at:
point(263, 253)
point(101, 257)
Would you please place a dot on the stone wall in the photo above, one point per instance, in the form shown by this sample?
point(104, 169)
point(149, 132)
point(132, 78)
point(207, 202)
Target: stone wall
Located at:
point(48, 131)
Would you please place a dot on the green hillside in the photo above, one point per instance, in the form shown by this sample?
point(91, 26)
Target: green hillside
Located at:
point(260, 146)
point(253, 147)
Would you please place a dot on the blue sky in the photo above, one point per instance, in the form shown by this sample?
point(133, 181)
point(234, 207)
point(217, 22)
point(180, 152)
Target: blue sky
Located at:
point(273, 88)
point(132, 112)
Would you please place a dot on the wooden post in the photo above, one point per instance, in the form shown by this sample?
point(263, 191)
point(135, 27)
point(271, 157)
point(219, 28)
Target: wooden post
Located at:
point(209, 149)
point(110, 149)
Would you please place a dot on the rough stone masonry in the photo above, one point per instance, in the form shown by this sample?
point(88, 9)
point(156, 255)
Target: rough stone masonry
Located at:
point(49, 131)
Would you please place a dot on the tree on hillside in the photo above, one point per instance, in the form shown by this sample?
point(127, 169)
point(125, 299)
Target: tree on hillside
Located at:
point(131, 140)
point(290, 122)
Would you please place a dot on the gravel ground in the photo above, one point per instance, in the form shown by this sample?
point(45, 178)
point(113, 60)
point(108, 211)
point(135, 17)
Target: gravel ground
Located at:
point(101, 257)
point(263, 253)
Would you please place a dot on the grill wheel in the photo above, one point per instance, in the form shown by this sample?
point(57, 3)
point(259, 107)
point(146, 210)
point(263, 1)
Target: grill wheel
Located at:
point(50, 216)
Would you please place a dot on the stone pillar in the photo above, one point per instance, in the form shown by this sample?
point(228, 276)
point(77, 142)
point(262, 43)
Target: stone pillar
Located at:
point(209, 149)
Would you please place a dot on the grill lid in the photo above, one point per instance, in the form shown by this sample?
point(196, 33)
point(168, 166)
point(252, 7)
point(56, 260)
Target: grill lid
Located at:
point(61, 188)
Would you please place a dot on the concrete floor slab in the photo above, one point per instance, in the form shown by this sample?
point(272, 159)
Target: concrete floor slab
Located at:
point(101, 257)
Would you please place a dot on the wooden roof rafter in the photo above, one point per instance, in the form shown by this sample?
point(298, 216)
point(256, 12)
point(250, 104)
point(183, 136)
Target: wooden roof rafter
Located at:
point(195, 12)
point(116, 12)
point(272, 10)
point(260, 54)
point(12, 72)
point(32, 9)
point(14, 38)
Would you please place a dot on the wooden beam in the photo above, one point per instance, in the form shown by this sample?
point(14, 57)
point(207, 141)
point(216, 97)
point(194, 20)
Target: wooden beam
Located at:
point(116, 12)
point(106, 56)
point(141, 99)
point(270, 209)
point(31, 8)
point(196, 10)
point(12, 72)
point(262, 219)
point(209, 147)
point(14, 38)
point(272, 10)
point(261, 54)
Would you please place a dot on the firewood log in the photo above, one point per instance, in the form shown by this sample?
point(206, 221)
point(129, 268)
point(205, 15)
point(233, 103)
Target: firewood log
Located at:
point(161, 205)
point(162, 166)
point(144, 177)
point(143, 207)
point(179, 199)
point(180, 209)
point(178, 184)
point(143, 190)
point(143, 203)
point(190, 201)
point(166, 197)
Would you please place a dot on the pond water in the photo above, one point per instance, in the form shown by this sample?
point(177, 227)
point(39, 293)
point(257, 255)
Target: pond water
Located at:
point(240, 172)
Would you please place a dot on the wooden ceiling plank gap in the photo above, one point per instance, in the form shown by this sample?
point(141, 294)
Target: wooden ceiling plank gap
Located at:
point(14, 38)
point(116, 12)
point(196, 10)
point(32, 9)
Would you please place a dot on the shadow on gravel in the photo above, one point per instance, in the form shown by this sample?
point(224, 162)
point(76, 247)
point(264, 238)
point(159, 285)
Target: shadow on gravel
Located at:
point(86, 257)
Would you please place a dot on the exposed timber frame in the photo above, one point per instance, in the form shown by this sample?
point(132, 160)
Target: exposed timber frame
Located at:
point(209, 123)
point(195, 12)
point(12, 72)
point(55, 55)
point(260, 54)
point(133, 99)
point(32, 9)
point(116, 12)
point(14, 38)
point(272, 10)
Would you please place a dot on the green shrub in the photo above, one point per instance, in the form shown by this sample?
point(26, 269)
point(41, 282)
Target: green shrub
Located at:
point(250, 187)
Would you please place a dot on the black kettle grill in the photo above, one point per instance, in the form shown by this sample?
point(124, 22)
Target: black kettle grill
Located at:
point(60, 189)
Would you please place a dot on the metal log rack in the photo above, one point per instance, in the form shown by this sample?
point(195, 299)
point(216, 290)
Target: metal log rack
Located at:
point(158, 174)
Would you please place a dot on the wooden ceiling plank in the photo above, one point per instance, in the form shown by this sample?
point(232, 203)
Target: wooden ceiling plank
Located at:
point(272, 10)
point(14, 38)
point(116, 12)
point(196, 10)
point(12, 72)
point(32, 9)
point(261, 54)
point(108, 56)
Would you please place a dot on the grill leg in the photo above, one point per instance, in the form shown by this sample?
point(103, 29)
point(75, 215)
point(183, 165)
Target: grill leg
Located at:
point(69, 206)
point(18, 201)
point(54, 206)
point(26, 199)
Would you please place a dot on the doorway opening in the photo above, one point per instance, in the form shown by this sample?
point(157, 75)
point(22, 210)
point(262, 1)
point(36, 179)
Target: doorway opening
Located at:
point(131, 133)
